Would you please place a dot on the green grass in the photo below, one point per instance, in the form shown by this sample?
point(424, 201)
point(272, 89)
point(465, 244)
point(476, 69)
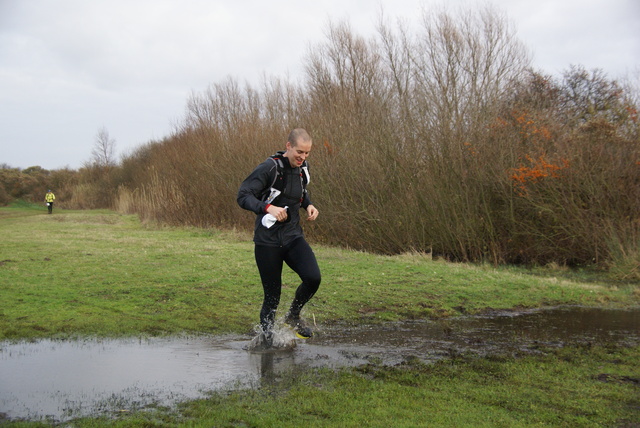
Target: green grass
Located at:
point(104, 274)
point(99, 273)
point(559, 389)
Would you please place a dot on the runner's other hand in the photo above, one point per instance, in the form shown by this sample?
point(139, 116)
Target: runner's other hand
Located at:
point(312, 213)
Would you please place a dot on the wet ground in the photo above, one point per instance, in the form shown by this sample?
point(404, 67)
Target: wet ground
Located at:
point(61, 380)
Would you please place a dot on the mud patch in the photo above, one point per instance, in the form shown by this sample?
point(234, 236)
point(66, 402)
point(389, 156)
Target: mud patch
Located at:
point(61, 380)
point(612, 378)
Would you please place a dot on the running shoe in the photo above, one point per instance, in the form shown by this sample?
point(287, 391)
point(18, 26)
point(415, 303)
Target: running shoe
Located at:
point(299, 327)
point(266, 339)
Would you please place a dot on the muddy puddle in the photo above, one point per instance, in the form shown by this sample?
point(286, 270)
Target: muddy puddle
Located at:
point(61, 380)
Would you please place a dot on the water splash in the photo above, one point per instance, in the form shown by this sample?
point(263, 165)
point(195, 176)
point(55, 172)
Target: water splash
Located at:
point(280, 339)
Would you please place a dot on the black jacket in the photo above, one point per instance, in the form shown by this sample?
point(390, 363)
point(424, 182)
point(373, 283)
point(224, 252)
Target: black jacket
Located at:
point(251, 197)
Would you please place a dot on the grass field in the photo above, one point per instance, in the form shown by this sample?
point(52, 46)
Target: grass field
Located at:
point(98, 273)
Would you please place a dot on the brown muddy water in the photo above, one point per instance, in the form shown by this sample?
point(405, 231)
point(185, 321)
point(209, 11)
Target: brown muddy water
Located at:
point(60, 380)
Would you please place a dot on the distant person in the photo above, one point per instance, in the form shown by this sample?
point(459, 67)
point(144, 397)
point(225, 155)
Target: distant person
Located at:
point(275, 191)
point(49, 198)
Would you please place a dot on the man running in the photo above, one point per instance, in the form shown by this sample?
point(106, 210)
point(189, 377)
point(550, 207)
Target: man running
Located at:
point(275, 191)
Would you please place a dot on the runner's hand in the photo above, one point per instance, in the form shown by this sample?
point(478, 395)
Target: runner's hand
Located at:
point(278, 212)
point(312, 213)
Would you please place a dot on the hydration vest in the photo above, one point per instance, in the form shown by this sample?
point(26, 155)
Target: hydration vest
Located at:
point(278, 185)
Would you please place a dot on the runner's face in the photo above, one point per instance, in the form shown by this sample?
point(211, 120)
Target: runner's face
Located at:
point(298, 153)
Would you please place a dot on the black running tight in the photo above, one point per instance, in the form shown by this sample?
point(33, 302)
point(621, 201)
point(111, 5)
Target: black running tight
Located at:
point(300, 258)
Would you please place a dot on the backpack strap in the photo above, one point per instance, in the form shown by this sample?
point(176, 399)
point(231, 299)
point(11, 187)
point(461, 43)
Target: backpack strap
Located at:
point(305, 169)
point(271, 192)
point(277, 160)
point(279, 168)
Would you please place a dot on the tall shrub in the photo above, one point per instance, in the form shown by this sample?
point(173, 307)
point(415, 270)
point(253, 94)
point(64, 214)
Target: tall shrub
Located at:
point(436, 139)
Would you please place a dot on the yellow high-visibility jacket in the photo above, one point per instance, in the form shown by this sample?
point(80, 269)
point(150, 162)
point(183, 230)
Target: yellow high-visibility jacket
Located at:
point(49, 197)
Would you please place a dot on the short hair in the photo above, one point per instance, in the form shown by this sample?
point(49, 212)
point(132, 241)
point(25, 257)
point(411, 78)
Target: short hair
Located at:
point(298, 134)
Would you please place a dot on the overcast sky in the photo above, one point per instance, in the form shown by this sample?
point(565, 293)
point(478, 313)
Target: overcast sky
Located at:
point(71, 67)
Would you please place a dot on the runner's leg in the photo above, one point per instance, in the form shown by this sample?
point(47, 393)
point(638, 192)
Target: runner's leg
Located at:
point(301, 258)
point(269, 261)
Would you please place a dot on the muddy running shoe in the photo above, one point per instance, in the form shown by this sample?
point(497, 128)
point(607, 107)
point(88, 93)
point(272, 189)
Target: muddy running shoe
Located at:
point(266, 339)
point(299, 326)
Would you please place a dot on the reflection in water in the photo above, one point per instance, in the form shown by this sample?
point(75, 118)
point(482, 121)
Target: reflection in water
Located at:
point(273, 364)
point(62, 380)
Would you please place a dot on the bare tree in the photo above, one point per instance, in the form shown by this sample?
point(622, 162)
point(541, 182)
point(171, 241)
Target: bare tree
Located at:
point(103, 153)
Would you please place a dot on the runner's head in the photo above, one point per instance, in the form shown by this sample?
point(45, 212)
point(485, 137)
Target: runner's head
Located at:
point(298, 147)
